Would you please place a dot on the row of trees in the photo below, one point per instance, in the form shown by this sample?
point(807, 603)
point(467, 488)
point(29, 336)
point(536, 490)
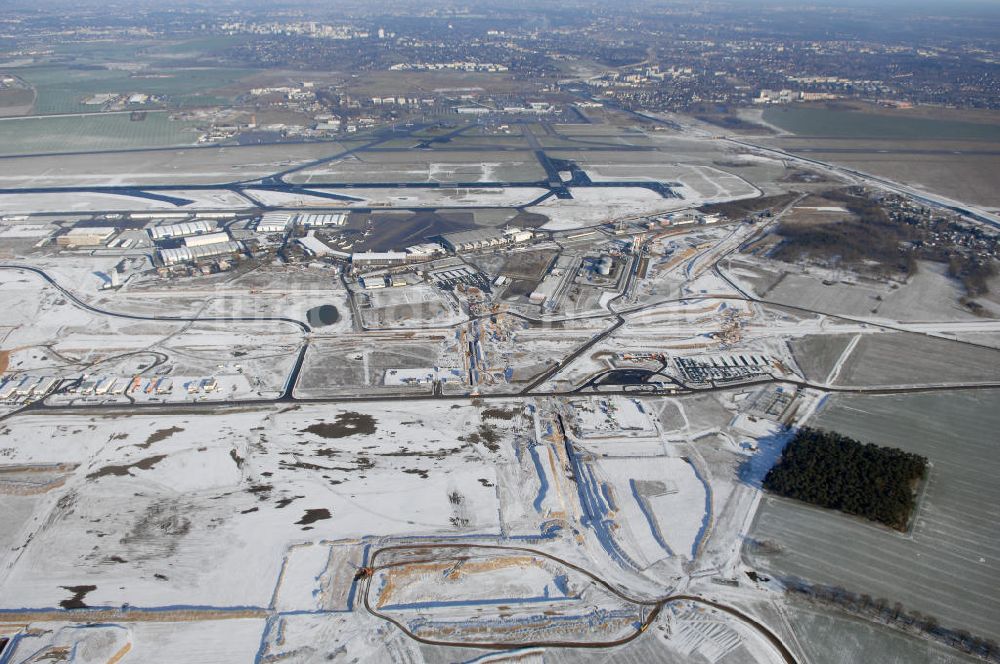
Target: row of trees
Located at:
point(830, 470)
point(894, 614)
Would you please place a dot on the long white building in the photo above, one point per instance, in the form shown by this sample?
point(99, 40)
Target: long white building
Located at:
point(182, 229)
point(186, 254)
point(313, 220)
point(208, 238)
point(484, 238)
point(379, 258)
point(274, 222)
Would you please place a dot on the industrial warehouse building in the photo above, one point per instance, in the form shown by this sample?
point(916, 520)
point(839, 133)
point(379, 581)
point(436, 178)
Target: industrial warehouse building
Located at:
point(312, 220)
point(376, 258)
point(274, 222)
point(183, 229)
point(484, 238)
point(190, 253)
point(86, 237)
point(208, 238)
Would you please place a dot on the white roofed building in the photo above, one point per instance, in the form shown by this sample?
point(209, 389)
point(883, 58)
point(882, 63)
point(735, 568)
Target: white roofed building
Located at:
point(274, 222)
point(183, 229)
point(208, 238)
point(379, 258)
point(311, 220)
point(484, 238)
point(192, 253)
point(425, 250)
point(314, 245)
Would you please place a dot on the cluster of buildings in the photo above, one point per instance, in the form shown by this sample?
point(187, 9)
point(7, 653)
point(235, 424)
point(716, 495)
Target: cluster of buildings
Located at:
point(208, 245)
point(183, 229)
point(488, 67)
point(305, 28)
point(114, 100)
point(428, 376)
point(23, 386)
point(188, 239)
point(280, 222)
point(118, 386)
point(787, 96)
point(479, 239)
point(137, 385)
point(114, 232)
point(401, 101)
point(723, 368)
point(200, 239)
point(484, 238)
point(640, 76)
point(684, 218)
point(531, 107)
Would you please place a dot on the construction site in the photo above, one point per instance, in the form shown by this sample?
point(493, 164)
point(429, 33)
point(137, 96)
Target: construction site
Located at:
point(335, 416)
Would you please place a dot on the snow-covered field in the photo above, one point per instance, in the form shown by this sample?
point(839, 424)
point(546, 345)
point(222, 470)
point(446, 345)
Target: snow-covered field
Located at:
point(444, 197)
point(100, 201)
point(202, 511)
point(596, 205)
point(354, 170)
point(698, 182)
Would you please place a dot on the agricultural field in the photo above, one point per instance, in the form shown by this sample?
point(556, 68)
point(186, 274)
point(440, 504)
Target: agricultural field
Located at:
point(948, 153)
point(902, 359)
point(926, 294)
point(62, 89)
point(817, 354)
point(93, 133)
point(848, 124)
point(947, 567)
point(828, 637)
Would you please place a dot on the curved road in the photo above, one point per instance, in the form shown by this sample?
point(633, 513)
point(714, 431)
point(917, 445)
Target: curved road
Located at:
point(174, 319)
point(656, 605)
